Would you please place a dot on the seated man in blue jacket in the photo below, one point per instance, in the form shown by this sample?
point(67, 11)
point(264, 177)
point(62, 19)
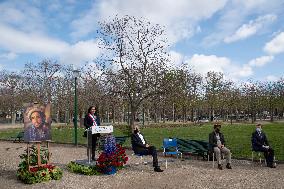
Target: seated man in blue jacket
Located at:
point(260, 144)
point(140, 146)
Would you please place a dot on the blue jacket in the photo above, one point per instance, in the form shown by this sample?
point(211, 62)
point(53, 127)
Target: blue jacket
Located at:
point(258, 140)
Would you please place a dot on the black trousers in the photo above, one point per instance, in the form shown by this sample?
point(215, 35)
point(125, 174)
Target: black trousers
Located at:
point(94, 144)
point(268, 154)
point(151, 150)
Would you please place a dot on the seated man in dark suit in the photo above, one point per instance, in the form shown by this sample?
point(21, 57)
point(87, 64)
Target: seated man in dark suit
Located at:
point(140, 146)
point(217, 142)
point(260, 144)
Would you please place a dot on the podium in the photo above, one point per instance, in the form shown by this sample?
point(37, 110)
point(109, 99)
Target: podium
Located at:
point(91, 131)
point(102, 129)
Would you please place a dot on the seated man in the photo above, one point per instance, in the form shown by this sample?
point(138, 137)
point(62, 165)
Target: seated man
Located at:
point(217, 142)
point(260, 144)
point(140, 146)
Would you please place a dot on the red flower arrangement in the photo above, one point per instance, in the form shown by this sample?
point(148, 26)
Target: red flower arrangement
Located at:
point(46, 166)
point(114, 160)
point(37, 174)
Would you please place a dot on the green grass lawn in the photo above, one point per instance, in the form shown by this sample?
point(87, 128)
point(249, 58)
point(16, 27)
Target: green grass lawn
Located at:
point(238, 137)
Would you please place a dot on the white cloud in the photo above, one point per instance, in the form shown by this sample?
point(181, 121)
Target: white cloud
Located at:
point(271, 78)
point(8, 56)
point(86, 24)
point(21, 42)
point(203, 63)
point(235, 14)
point(254, 26)
point(179, 17)
point(80, 52)
point(246, 70)
point(261, 61)
point(176, 59)
point(21, 14)
point(276, 45)
point(243, 71)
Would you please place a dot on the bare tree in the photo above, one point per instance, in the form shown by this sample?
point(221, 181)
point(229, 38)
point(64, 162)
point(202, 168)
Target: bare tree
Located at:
point(11, 85)
point(213, 86)
point(136, 50)
point(40, 78)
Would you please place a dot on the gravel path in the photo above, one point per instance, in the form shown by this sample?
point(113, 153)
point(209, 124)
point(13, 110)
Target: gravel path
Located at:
point(179, 174)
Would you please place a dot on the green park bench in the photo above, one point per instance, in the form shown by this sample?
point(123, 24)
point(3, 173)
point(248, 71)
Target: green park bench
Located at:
point(193, 147)
point(186, 148)
point(121, 140)
point(19, 137)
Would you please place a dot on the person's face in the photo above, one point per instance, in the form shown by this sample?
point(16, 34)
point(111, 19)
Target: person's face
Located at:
point(36, 119)
point(136, 130)
point(93, 110)
point(217, 129)
point(258, 126)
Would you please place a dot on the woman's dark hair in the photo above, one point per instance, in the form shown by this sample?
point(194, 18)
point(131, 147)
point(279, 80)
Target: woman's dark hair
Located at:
point(42, 116)
point(90, 108)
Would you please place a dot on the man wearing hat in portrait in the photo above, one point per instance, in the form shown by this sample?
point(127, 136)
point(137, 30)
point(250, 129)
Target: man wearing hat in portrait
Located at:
point(217, 143)
point(36, 127)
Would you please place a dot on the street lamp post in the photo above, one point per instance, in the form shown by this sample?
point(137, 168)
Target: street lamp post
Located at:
point(76, 75)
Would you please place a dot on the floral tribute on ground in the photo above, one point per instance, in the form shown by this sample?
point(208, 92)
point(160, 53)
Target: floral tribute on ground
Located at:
point(112, 159)
point(36, 173)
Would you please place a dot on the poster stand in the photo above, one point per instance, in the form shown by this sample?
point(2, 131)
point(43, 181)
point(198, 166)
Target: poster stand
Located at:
point(38, 147)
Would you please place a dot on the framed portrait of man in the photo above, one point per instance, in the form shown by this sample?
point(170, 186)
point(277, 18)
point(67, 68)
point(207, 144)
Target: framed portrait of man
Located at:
point(37, 122)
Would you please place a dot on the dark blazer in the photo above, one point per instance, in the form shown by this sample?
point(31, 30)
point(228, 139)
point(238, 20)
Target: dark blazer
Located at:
point(258, 140)
point(88, 121)
point(213, 140)
point(137, 144)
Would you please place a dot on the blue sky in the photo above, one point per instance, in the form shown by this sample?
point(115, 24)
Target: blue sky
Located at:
point(244, 39)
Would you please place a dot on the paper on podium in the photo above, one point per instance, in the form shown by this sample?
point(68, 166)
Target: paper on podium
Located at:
point(102, 129)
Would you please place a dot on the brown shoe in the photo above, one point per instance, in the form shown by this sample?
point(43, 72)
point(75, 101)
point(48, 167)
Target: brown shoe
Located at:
point(228, 166)
point(220, 166)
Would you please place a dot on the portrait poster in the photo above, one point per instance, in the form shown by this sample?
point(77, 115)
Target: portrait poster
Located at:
point(37, 122)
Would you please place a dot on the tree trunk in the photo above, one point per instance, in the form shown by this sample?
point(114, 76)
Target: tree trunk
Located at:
point(191, 115)
point(13, 117)
point(57, 115)
point(113, 115)
point(164, 116)
point(132, 118)
point(107, 113)
point(184, 114)
point(174, 112)
point(155, 118)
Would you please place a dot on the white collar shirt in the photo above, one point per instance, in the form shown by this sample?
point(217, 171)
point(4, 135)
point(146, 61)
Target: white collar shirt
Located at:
point(142, 138)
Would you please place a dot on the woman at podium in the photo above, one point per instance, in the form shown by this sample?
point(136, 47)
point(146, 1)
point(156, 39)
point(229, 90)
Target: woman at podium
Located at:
point(92, 119)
